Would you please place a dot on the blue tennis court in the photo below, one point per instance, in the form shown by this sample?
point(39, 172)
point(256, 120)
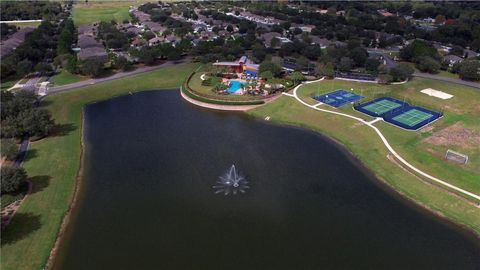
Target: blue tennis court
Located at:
point(398, 112)
point(338, 98)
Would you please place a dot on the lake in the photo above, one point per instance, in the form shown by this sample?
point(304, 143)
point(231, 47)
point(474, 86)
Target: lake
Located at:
point(146, 199)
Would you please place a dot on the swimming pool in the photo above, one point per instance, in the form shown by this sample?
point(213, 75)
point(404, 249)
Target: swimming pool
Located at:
point(233, 86)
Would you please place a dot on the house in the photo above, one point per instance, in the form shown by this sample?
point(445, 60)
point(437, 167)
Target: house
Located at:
point(87, 42)
point(267, 37)
point(242, 65)
point(385, 13)
point(88, 29)
point(155, 41)
point(322, 42)
point(93, 52)
point(155, 27)
point(304, 28)
point(470, 54)
point(452, 59)
point(137, 42)
point(17, 38)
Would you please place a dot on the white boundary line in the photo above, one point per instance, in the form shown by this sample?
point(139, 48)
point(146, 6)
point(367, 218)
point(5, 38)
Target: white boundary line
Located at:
point(385, 142)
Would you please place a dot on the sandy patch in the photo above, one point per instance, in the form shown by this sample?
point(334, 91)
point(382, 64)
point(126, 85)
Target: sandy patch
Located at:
point(435, 93)
point(455, 135)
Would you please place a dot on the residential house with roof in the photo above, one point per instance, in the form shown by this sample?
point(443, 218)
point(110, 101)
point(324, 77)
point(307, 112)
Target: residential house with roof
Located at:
point(17, 38)
point(452, 59)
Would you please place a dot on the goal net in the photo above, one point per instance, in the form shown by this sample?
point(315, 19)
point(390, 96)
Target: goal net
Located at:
point(456, 157)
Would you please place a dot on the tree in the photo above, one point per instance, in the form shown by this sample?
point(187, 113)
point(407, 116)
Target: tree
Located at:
point(12, 178)
point(345, 64)
point(371, 65)
point(470, 70)
point(121, 63)
point(401, 72)
point(417, 49)
point(428, 64)
point(359, 56)
point(297, 76)
point(274, 42)
point(270, 66)
point(266, 75)
point(230, 28)
point(37, 122)
point(92, 67)
point(8, 149)
point(312, 52)
point(325, 70)
point(24, 67)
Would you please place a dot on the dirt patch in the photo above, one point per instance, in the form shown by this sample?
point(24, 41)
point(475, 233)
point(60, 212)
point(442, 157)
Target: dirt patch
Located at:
point(426, 129)
point(455, 135)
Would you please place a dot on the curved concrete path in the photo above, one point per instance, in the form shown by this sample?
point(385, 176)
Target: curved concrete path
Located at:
point(385, 142)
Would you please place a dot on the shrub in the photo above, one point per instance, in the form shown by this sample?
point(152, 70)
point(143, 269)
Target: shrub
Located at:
point(12, 178)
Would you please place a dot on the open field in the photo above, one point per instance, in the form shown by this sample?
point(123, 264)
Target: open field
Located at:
point(65, 77)
point(363, 143)
point(85, 13)
point(53, 164)
point(462, 108)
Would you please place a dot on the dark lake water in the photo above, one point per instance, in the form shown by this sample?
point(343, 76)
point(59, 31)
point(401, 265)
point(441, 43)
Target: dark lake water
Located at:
point(147, 201)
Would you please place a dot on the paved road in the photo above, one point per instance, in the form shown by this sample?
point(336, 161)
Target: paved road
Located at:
point(22, 151)
point(388, 60)
point(67, 87)
point(446, 79)
point(385, 142)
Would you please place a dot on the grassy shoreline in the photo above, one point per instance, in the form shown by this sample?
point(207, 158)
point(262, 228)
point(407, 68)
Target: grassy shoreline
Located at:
point(28, 241)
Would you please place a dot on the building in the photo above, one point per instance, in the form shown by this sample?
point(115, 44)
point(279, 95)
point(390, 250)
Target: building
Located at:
point(452, 59)
point(14, 41)
point(242, 65)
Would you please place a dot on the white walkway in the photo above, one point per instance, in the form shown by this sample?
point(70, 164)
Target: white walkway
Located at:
point(385, 142)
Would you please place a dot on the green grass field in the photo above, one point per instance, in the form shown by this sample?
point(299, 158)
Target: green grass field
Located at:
point(65, 77)
point(462, 108)
point(53, 164)
point(86, 13)
point(364, 144)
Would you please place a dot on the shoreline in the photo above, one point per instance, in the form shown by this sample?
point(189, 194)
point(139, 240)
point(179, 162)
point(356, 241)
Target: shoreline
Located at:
point(73, 202)
point(379, 181)
point(389, 188)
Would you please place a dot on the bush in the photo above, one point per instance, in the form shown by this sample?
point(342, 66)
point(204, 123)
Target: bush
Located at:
point(470, 70)
point(8, 149)
point(12, 179)
point(428, 64)
point(401, 72)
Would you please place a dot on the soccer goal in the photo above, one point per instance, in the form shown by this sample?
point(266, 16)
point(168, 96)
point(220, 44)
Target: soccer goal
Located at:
point(456, 157)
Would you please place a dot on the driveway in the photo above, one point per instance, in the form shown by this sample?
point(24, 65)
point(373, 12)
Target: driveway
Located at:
point(119, 75)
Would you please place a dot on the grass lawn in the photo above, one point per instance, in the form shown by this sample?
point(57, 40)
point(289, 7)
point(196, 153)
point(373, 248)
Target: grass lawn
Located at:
point(26, 24)
point(54, 161)
point(462, 108)
point(65, 77)
point(86, 13)
point(9, 82)
point(363, 143)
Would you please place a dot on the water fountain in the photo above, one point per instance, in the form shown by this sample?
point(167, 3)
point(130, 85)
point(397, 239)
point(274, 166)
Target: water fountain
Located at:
point(231, 182)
